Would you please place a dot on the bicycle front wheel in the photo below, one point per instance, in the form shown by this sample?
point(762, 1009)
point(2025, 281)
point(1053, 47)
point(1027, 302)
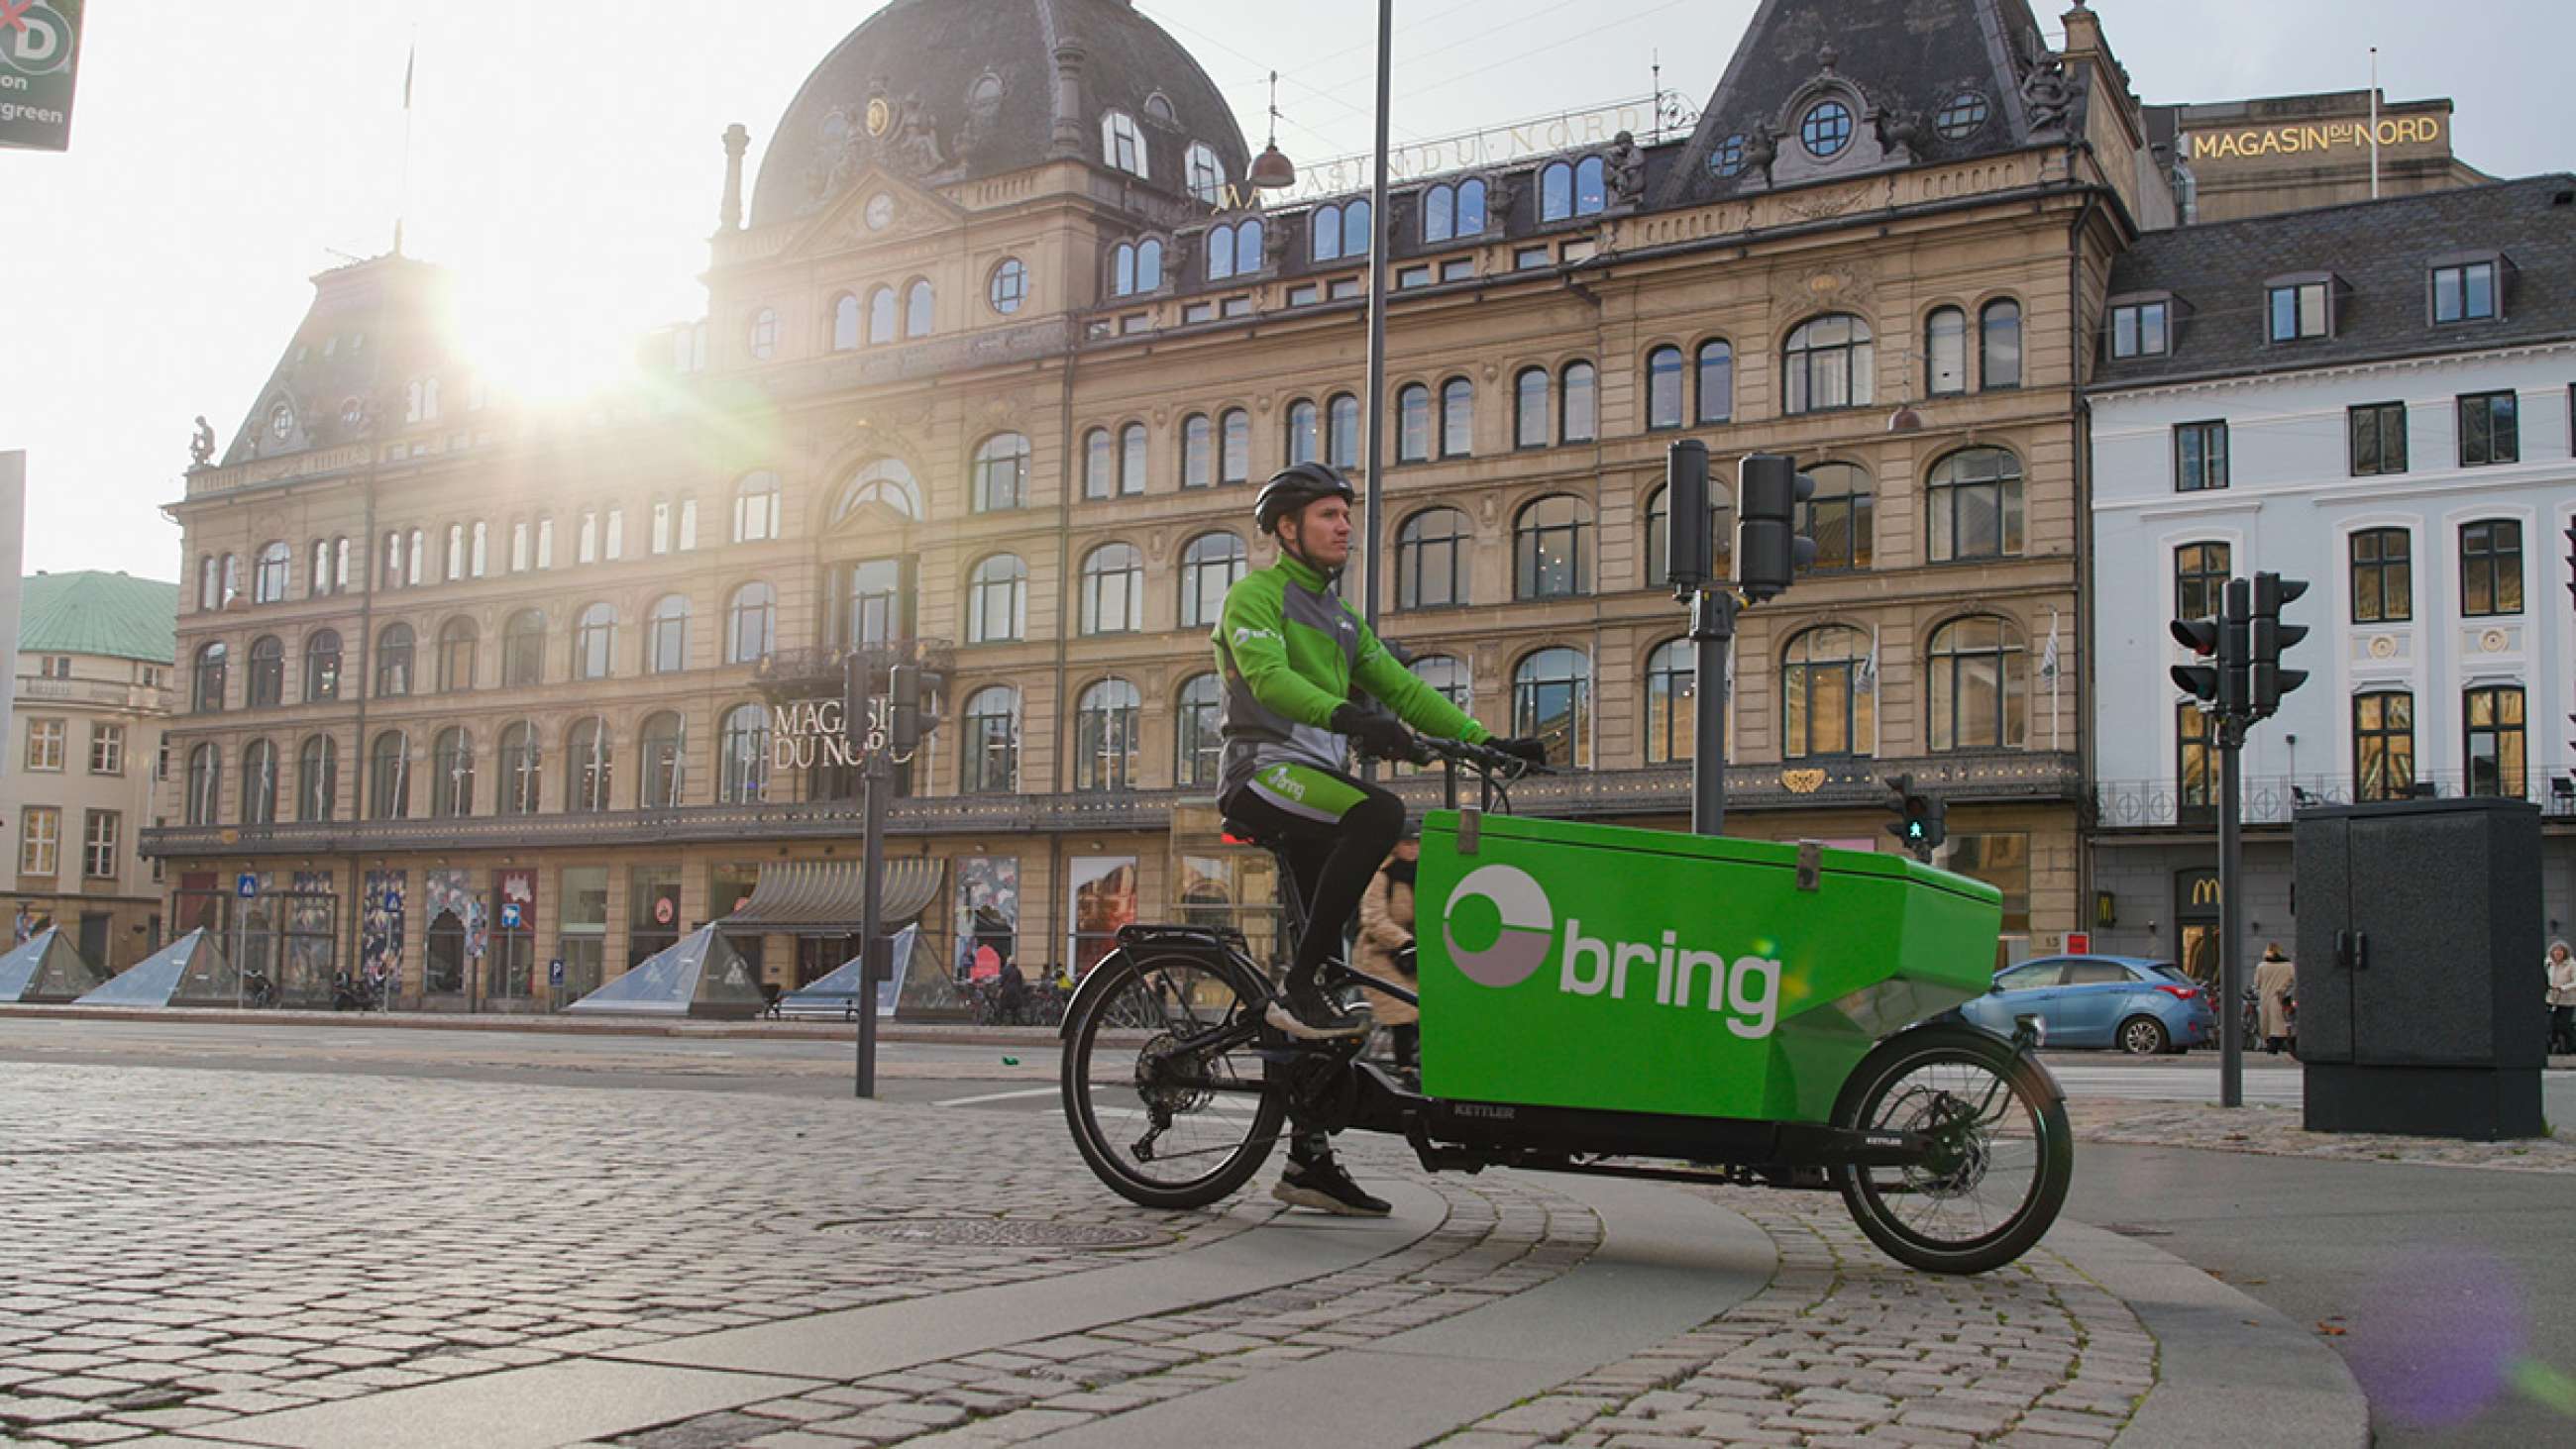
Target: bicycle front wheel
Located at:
point(2003, 1154)
point(1165, 1097)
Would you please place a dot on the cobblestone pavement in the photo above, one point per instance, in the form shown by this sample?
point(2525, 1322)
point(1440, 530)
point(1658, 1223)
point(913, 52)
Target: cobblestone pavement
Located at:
point(184, 1248)
point(2275, 1132)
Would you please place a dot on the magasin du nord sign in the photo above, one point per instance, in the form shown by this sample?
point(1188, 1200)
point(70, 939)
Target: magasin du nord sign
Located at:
point(816, 732)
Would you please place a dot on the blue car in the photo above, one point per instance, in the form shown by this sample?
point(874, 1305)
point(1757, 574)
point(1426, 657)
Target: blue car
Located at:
point(2129, 1002)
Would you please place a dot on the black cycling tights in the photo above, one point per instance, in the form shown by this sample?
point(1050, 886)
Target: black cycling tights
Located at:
point(1334, 853)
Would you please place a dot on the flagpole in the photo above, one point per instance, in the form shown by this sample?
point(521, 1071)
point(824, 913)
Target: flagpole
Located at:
point(2374, 123)
point(402, 197)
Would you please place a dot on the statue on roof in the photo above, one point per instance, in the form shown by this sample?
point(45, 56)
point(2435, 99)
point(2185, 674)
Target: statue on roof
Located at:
point(1761, 148)
point(201, 443)
point(1903, 131)
point(1626, 162)
point(2046, 94)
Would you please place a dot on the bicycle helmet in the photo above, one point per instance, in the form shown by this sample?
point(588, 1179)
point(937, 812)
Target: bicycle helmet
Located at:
point(1292, 488)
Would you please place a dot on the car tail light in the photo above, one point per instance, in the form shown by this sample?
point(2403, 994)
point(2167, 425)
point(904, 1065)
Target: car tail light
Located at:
point(2180, 993)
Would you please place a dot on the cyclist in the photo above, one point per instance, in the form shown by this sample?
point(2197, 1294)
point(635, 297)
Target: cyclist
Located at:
point(1291, 653)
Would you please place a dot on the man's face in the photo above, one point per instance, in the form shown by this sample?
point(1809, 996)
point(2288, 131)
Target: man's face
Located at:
point(1322, 533)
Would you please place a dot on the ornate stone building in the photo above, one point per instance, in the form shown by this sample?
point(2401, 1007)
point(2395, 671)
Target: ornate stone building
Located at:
point(996, 358)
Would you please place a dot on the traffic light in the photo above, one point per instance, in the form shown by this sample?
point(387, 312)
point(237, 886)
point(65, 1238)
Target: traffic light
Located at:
point(2571, 561)
point(1687, 561)
point(1768, 550)
point(2203, 638)
point(903, 714)
point(2266, 636)
point(1919, 825)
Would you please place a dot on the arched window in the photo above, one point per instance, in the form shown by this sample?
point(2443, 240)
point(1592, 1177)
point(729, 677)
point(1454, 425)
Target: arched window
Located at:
point(1199, 753)
point(259, 784)
point(205, 784)
point(1716, 381)
point(456, 640)
point(1828, 694)
point(523, 650)
point(1210, 564)
point(232, 570)
point(1136, 267)
point(845, 322)
point(1471, 208)
point(1113, 590)
point(267, 672)
point(1234, 450)
point(393, 661)
point(764, 334)
point(1582, 406)
point(1555, 191)
point(666, 635)
point(317, 779)
point(594, 642)
point(389, 777)
point(522, 765)
point(1552, 701)
point(1205, 174)
point(1342, 431)
point(208, 695)
point(2383, 576)
point(920, 308)
point(1591, 189)
point(1099, 465)
point(1008, 287)
point(1529, 408)
point(751, 623)
point(1664, 388)
point(1976, 505)
point(885, 482)
point(1413, 423)
point(1001, 473)
point(1457, 418)
point(1999, 344)
point(480, 554)
point(1131, 460)
point(2200, 579)
point(755, 508)
point(991, 747)
point(1945, 351)
point(1431, 558)
point(1672, 702)
point(1324, 234)
point(882, 318)
point(742, 756)
point(1104, 738)
point(1831, 363)
point(1457, 211)
point(1659, 526)
point(1234, 251)
point(268, 576)
point(1980, 687)
point(321, 666)
point(1304, 428)
point(1838, 516)
point(1198, 451)
point(451, 785)
point(1448, 678)
point(317, 582)
point(662, 755)
point(455, 552)
point(1122, 147)
point(589, 767)
point(997, 600)
point(1549, 548)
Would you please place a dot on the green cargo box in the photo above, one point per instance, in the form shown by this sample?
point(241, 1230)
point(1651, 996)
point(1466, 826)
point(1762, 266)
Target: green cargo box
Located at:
point(1624, 970)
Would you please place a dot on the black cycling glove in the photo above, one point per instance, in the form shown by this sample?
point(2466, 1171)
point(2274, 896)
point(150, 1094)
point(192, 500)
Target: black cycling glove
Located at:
point(1377, 734)
point(1522, 747)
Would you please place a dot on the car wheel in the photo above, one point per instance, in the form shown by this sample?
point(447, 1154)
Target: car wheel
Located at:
point(2142, 1036)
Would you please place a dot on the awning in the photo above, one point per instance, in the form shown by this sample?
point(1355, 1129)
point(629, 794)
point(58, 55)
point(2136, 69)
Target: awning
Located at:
point(821, 897)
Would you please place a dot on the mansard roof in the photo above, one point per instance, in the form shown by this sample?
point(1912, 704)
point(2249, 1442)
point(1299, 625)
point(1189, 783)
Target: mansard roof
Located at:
point(371, 326)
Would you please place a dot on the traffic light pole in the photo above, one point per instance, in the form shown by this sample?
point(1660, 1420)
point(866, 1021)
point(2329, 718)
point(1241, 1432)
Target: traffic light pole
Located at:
point(2231, 913)
point(877, 776)
point(1712, 632)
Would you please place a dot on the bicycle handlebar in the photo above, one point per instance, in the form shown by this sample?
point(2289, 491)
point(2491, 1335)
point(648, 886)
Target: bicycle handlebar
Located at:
point(1483, 759)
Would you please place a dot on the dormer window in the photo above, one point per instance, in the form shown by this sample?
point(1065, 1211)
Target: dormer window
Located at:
point(2140, 329)
point(1158, 107)
point(1234, 251)
point(1136, 267)
point(1120, 144)
point(2299, 308)
point(1826, 130)
point(1572, 190)
point(281, 422)
point(2466, 291)
point(1206, 174)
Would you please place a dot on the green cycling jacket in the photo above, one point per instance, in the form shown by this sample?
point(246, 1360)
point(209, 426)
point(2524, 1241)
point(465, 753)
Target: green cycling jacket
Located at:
point(1290, 651)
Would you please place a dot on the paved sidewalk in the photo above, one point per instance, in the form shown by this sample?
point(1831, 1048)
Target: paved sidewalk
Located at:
point(272, 1259)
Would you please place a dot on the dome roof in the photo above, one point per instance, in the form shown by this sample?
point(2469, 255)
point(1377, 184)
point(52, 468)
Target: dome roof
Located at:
point(955, 90)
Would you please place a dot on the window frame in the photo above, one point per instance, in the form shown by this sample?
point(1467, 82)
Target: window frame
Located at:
point(1106, 726)
point(2511, 740)
point(1946, 491)
point(1094, 576)
point(1530, 693)
point(2215, 583)
point(2489, 558)
point(979, 751)
point(2368, 578)
point(1531, 569)
point(1948, 701)
point(2379, 422)
point(1664, 389)
point(1855, 354)
point(2382, 744)
point(1799, 678)
point(1671, 678)
point(1418, 553)
point(2502, 429)
point(2463, 268)
point(2195, 462)
point(1231, 561)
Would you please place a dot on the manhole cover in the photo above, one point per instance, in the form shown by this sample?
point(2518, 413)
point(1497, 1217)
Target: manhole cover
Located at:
point(995, 1233)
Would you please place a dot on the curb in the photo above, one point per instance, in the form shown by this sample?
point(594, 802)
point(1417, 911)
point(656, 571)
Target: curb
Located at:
point(917, 1033)
point(2225, 1362)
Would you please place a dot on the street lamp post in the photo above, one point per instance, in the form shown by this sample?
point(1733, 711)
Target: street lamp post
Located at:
point(1373, 497)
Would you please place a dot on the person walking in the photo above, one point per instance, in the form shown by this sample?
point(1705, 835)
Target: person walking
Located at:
point(2274, 979)
point(1386, 930)
point(2562, 998)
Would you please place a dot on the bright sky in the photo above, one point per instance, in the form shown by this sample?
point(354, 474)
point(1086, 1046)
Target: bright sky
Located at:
point(565, 161)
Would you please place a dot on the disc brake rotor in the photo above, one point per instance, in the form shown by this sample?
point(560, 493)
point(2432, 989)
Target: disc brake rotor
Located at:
point(1961, 1153)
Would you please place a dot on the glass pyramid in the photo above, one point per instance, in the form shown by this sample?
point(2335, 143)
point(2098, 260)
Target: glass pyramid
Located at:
point(46, 968)
point(700, 975)
point(190, 971)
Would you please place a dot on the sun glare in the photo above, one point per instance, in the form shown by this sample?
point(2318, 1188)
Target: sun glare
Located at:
point(543, 343)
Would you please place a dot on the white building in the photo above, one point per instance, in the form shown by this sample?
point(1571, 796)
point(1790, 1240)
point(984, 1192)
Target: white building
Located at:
point(2375, 398)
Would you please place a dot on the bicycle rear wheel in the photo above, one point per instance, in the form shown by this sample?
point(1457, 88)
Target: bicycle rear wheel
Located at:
point(1161, 1088)
point(2005, 1153)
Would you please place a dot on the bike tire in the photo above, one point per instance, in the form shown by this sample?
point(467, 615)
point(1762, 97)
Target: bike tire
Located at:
point(1865, 1104)
point(1113, 1003)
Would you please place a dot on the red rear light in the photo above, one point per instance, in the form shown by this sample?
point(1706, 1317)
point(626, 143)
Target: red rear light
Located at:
point(2180, 993)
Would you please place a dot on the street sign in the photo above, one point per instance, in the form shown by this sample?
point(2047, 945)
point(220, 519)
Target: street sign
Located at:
point(39, 47)
point(2079, 943)
point(246, 886)
point(509, 915)
point(554, 972)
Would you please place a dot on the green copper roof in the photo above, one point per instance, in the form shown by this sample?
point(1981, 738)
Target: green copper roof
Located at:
point(96, 613)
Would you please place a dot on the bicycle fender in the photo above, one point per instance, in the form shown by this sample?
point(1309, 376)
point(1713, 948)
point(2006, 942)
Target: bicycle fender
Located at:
point(1091, 985)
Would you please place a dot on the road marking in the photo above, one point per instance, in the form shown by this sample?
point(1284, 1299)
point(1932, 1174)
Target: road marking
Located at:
point(997, 1097)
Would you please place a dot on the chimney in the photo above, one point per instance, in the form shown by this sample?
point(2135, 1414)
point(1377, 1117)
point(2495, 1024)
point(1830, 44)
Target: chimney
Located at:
point(736, 141)
point(1068, 97)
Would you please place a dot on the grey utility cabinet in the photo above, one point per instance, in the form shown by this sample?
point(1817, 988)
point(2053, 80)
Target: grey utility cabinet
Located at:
point(2420, 983)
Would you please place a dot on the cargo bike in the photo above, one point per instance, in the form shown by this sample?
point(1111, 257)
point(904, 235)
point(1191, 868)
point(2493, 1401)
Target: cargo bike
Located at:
point(1614, 1001)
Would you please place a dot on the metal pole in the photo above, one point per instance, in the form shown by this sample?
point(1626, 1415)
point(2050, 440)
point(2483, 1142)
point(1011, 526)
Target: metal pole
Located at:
point(1713, 632)
point(2231, 917)
point(1373, 496)
point(871, 885)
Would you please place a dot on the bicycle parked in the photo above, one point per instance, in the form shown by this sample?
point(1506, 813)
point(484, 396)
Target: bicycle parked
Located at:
point(1590, 1052)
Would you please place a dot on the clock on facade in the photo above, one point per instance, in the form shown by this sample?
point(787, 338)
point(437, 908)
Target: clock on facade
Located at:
point(880, 211)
